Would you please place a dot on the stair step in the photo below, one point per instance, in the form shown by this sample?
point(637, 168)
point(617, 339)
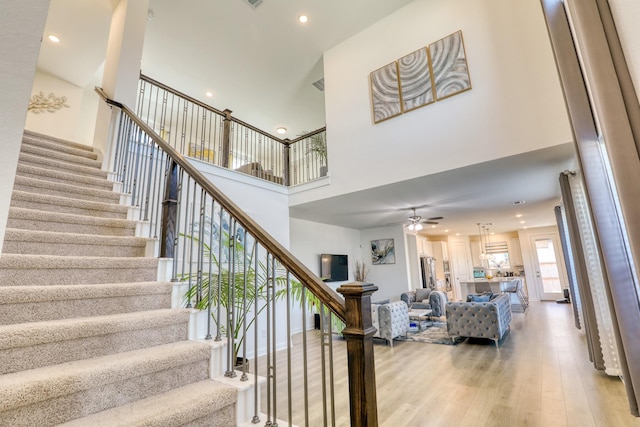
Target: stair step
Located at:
point(39, 186)
point(57, 165)
point(34, 219)
point(20, 304)
point(44, 202)
point(55, 154)
point(38, 344)
point(63, 177)
point(64, 392)
point(206, 403)
point(18, 241)
point(59, 147)
point(29, 134)
point(46, 270)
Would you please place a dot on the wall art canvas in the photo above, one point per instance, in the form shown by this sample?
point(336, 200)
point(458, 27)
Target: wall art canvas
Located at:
point(383, 252)
point(385, 92)
point(449, 66)
point(415, 80)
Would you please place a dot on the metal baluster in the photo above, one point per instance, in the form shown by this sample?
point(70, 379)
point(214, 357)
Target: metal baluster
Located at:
point(210, 272)
point(331, 381)
point(136, 170)
point(219, 299)
point(256, 418)
point(305, 366)
point(231, 302)
point(176, 238)
point(245, 366)
point(274, 341)
point(187, 206)
point(289, 376)
point(323, 327)
point(200, 246)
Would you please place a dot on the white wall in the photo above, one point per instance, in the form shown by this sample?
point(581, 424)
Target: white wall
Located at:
point(74, 123)
point(515, 105)
point(391, 279)
point(21, 27)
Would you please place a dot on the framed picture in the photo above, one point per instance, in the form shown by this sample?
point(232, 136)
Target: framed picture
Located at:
point(449, 66)
point(416, 83)
point(385, 92)
point(383, 252)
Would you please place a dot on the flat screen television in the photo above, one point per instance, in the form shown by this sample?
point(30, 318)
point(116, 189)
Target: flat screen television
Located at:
point(334, 268)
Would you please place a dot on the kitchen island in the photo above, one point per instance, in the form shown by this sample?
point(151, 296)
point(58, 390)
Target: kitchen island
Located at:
point(469, 287)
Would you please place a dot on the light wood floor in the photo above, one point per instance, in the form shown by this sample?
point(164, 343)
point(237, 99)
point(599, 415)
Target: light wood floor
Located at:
point(540, 376)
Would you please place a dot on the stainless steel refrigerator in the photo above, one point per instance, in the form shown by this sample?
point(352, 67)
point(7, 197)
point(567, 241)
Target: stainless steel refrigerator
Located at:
point(428, 271)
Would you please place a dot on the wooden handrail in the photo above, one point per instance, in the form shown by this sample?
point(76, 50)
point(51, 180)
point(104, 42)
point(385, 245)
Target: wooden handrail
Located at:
point(330, 298)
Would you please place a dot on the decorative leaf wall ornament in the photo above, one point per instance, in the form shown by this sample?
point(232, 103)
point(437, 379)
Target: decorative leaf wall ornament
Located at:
point(41, 104)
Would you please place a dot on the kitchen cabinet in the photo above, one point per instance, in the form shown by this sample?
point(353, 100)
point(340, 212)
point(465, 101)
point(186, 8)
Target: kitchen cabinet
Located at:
point(515, 252)
point(424, 247)
point(476, 250)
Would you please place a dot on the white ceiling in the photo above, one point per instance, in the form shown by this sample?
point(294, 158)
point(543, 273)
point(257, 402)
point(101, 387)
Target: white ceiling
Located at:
point(261, 63)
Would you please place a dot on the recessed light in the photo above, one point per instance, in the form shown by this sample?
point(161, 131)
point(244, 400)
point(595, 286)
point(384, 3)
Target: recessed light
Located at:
point(303, 19)
point(446, 231)
point(457, 234)
point(53, 38)
point(523, 222)
point(433, 226)
point(209, 94)
point(281, 130)
point(519, 216)
point(524, 228)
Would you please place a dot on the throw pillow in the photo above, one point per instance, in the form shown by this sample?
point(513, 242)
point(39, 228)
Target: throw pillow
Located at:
point(384, 301)
point(422, 294)
point(479, 298)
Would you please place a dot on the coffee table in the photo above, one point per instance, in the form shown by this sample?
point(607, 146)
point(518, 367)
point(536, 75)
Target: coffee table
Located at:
point(420, 315)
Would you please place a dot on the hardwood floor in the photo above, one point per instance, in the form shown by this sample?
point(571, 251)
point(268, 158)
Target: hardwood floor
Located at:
point(540, 376)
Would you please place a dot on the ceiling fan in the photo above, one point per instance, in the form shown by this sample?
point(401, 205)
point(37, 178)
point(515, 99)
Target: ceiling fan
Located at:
point(416, 221)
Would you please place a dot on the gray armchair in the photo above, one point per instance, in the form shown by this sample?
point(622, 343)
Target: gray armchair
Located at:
point(480, 319)
point(426, 299)
point(390, 320)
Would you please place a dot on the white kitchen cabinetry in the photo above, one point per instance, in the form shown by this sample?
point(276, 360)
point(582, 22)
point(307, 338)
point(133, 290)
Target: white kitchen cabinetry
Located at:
point(424, 247)
point(515, 252)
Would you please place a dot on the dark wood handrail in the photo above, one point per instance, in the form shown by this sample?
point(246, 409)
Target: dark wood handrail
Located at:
point(330, 298)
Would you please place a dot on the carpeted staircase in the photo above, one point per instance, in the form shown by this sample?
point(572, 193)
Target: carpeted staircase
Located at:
point(87, 333)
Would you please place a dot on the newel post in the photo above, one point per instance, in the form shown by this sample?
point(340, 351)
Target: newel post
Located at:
point(226, 138)
point(169, 212)
point(359, 336)
point(287, 162)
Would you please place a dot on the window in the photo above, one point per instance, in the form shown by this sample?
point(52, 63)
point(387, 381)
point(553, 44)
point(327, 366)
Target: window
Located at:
point(498, 253)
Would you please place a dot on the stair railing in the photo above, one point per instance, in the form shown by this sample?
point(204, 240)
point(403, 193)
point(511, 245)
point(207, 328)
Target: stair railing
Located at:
point(198, 130)
point(247, 283)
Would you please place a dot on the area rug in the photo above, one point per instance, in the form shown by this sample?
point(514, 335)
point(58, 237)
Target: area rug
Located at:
point(435, 334)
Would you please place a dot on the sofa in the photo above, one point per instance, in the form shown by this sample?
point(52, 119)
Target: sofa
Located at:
point(391, 319)
point(489, 316)
point(424, 298)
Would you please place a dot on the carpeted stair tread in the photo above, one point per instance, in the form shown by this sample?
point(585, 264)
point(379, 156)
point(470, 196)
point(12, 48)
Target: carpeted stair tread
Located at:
point(36, 344)
point(63, 177)
point(29, 134)
point(58, 165)
point(59, 147)
point(19, 269)
point(34, 219)
point(21, 304)
point(33, 242)
point(54, 154)
point(40, 186)
point(176, 407)
point(79, 388)
point(23, 199)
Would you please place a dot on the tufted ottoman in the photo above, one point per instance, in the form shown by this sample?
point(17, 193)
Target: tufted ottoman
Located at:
point(480, 319)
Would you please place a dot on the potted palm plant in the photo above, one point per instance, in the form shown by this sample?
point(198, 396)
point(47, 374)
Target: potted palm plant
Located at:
point(318, 147)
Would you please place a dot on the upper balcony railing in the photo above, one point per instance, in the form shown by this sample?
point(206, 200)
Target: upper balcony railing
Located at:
point(198, 130)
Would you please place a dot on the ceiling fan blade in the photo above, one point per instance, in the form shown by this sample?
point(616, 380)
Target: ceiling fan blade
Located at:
point(435, 218)
point(430, 222)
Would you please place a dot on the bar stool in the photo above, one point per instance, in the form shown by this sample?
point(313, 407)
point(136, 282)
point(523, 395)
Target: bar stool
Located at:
point(515, 287)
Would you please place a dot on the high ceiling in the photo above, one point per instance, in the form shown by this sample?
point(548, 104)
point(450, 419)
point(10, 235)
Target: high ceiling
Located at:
point(261, 63)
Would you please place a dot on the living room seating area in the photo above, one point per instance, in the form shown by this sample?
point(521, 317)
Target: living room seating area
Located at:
point(481, 316)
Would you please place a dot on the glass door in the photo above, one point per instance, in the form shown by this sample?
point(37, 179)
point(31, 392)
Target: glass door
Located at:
point(548, 269)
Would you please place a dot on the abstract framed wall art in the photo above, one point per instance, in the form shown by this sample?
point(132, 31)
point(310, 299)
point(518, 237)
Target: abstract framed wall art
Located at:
point(449, 66)
point(416, 88)
point(385, 92)
point(383, 252)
